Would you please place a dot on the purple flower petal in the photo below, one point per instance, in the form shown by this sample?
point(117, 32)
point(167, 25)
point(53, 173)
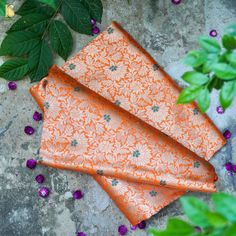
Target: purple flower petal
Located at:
point(12, 85)
point(229, 166)
point(227, 134)
point(95, 30)
point(37, 116)
point(78, 194)
point(142, 225)
point(93, 22)
point(80, 234)
point(43, 192)
point(31, 163)
point(198, 229)
point(29, 130)
point(176, 2)
point(220, 110)
point(39, 179)
point(133, 227)
point(123, 230)
point(213, 33)
point(234, 168)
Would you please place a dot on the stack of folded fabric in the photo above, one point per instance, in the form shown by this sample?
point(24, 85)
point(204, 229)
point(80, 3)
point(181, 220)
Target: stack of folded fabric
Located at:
point(111, 112)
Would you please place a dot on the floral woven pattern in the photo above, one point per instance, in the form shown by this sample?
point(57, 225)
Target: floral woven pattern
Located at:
point(107, 122)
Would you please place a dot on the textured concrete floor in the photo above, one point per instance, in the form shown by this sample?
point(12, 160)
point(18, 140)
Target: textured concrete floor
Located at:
point(167, 32)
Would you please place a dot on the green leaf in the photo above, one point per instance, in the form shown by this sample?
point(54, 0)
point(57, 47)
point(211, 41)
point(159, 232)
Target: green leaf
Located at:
point(212, 58)
point(196, 210)
point(224, 71)
point(175, 227)
point(215, 83)
point(231, 57)
point(34, 6)
point(195, 58)
point(231, 30)
point(50, 3)
point(216, 220)
point(188, 94)
point(95, 9)
point(227, 93)
point(61, 38)
point(33, 22)
point(225, 205)
point(14, 69)
point(18, 43)
point(229, 42)
point(77, 16)
point(40, 60)
point(3, 7)
point(204, 99)
point(196, 78)
point(209, 44)
point(230, 231)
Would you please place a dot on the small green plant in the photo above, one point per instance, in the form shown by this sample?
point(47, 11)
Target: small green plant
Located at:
point(203, 221)
point(214, 67)
point(40, 31)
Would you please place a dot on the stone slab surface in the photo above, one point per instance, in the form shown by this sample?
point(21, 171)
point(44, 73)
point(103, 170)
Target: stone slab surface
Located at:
point(167, 32)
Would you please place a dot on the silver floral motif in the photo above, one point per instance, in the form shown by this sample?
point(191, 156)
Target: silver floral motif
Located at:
point(46, 105)
point(72, 66)
point(113, 68)
point(136, 153)
point(107, 118)
point(74, 143)
point(155, 108)
point(195, 111)
point(163, 182)
point(153, 193)
point(114, 182)
point(196, 164)
point(110, 30)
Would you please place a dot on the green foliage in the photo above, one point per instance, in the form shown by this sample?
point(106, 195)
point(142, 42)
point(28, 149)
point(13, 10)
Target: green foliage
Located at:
point(214, 67)
point(61, 39)
point(3, 7)
point(37, 34)
point(203, 221)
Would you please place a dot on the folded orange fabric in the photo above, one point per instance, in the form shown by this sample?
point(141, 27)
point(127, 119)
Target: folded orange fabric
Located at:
point(112, 113)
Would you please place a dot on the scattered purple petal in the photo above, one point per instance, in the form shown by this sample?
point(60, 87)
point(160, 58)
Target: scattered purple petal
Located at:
point(80, 234)
point(229, 166)
point(213, 33)
point(31, 163)
point(37, 116)
point(176, 2)
point(43, 192)
point(220, 110)
point(227, 134)
point(198, 229)
point(234, 168)
point(39, 179)
point(12, 85)
point(142, 225)
point(123, 230)
point(93, 22)
point(133, 227)
point(95, 30)
point(29, 130)
point(78, 194)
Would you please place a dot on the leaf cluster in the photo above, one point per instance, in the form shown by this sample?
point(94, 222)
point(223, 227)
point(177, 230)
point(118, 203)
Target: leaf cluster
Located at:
point(32, 39)
point(213, 67)
point(3, 7)
point(203, 221)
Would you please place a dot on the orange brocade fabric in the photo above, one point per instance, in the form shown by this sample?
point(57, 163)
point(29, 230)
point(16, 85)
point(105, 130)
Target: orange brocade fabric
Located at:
point(111, 112)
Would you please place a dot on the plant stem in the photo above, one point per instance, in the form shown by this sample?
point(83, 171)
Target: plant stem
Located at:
point(52, 18)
